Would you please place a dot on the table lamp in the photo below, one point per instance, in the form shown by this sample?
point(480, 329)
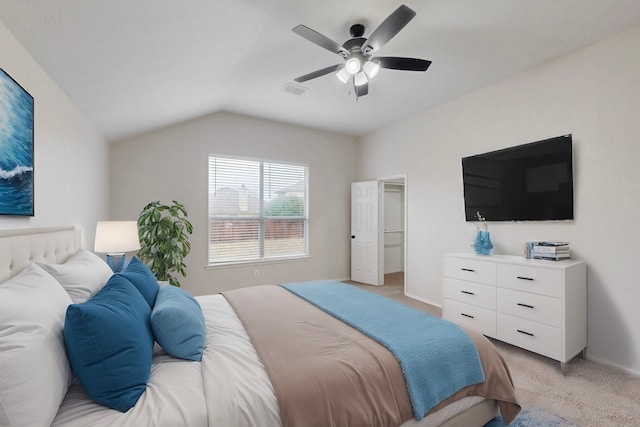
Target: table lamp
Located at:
point(115, 238)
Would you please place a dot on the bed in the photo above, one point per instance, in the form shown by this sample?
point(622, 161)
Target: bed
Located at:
point(253, 360)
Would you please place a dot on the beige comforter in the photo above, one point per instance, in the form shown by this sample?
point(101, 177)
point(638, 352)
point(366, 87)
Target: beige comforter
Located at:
point(325, 373)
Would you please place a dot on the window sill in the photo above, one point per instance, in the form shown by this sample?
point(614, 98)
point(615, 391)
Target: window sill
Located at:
point(236, 264)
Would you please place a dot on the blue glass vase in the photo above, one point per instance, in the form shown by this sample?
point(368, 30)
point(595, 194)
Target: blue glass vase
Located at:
point(482, 243)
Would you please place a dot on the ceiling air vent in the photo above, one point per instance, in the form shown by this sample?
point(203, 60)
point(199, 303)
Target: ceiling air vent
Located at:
point(294, 89)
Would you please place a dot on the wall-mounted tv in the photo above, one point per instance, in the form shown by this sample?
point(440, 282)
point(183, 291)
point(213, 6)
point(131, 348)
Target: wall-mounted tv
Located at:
point(530, 182)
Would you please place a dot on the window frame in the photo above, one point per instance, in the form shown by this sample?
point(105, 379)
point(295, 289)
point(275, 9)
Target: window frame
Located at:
point(261, 218)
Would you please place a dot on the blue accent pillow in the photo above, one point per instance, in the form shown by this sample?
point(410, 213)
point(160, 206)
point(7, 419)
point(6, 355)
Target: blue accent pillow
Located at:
point(178, 323)
point(110, 344)
point(143, 279)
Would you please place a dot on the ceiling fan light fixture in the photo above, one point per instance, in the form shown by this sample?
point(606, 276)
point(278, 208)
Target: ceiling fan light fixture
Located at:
point(343, 75)
point(371, 68)
point(356, 53)
point(352, 65)
point(360, 79)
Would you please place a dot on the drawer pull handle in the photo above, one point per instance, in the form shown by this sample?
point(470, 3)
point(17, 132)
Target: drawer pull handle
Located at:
point(525, 332)
point(468, 269)
point(467, 315)
point(525, 278)
point(525, 305)
point(467, 292)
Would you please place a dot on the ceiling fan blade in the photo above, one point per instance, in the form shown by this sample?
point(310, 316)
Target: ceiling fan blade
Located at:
point(319, 73)
point(397, 63)
point(388, 29)
point(322, 41)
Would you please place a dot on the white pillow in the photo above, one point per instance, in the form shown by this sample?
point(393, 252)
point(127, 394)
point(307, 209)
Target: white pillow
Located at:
point(34, 368)
point(82, 276)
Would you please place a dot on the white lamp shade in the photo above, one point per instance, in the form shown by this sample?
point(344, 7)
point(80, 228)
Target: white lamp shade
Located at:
point(352, 65)
point(371, 68)
point(360, 79)
point(116, 237)
point(343, 75)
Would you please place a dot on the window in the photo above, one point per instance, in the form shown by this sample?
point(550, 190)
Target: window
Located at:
point(257, 210)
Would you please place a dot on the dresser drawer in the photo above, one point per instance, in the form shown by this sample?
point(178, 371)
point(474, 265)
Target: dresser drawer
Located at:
point(539, 308)
point(470, 293)
point(533, 336)
point(470, 269)
point(470, 316)
point(543, 281)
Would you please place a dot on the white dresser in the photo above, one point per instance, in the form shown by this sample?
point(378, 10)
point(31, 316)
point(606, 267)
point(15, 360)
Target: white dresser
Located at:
point(538, 305)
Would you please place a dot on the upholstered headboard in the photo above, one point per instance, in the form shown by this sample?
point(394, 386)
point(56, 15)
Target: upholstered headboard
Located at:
point(20, 247)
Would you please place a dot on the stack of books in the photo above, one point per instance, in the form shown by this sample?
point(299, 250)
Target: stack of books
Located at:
point(554, 251)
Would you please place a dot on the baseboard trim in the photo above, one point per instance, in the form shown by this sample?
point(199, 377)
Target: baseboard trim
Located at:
point(424, 300)
point(612, 365)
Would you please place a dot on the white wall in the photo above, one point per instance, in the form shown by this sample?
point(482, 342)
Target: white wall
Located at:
point(593, 94)
point(70, 157)
point(172, 163)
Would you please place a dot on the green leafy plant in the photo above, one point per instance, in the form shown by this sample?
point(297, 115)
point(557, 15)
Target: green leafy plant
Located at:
point(164, 240)
point(285, 206)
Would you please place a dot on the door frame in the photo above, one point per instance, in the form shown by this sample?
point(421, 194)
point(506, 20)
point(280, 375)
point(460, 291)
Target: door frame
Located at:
point(394, 178)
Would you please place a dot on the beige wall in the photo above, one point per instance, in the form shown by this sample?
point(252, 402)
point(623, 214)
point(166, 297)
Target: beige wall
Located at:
point(70, 157)
point(593, 94)
point(172, 164)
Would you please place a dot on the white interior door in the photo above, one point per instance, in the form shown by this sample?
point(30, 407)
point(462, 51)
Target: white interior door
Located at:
point(365, 240)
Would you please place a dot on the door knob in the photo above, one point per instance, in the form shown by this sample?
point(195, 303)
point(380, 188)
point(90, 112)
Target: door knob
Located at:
point(353, 237)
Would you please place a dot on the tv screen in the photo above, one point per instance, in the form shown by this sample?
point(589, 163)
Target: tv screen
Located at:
point(530, 182)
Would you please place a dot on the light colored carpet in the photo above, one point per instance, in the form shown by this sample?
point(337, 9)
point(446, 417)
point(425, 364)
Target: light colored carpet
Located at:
point(591, 395)
point(535, 417)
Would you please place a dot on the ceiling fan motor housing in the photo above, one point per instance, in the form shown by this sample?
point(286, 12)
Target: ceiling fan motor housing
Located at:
point(354, 44)
point(355, 54)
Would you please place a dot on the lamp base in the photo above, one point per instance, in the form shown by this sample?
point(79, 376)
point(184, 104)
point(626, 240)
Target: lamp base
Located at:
point(116, 262)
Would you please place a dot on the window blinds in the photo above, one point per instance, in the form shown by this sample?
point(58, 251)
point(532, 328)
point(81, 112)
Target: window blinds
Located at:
point(257, 210)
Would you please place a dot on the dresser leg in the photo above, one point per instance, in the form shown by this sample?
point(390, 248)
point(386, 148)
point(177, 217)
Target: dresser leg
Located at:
point(564, 366)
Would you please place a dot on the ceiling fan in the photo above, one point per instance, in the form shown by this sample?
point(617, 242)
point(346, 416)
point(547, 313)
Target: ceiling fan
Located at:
point(359, 63)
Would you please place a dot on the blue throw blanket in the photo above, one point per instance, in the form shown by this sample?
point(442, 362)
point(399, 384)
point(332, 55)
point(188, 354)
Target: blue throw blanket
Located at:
point(437, 357)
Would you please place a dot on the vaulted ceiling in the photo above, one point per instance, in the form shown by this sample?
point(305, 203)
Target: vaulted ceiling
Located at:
point(133, 66)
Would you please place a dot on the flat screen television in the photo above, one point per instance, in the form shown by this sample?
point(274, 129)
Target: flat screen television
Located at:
point(530, 182)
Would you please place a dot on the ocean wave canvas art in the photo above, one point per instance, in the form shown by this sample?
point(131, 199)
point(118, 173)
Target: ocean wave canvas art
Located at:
point(16, 148)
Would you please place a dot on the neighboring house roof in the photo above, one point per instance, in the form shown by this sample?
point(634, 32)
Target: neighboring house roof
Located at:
point(230, 201)
point(297, 189)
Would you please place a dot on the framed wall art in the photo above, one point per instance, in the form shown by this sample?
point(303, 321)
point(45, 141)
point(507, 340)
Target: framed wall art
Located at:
point(16, 148)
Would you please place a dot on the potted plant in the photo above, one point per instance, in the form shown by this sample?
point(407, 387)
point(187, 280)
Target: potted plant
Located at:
point(164, 240)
